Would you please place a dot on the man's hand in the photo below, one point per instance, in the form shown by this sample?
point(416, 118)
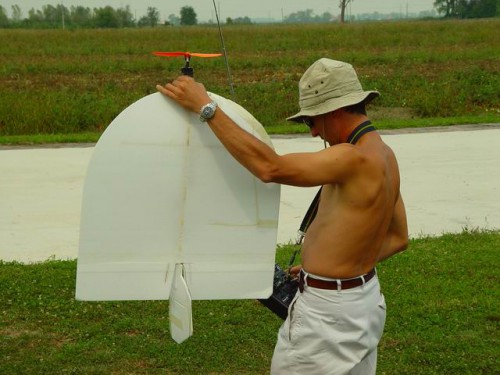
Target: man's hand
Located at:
point(294, 271)
point(186, 92)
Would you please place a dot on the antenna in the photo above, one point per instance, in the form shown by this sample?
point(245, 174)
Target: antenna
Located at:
point(229, 77)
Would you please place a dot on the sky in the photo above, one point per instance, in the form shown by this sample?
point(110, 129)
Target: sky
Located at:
point(234, 8)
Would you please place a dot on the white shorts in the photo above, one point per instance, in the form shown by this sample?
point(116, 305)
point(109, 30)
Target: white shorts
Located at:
point(331, 332)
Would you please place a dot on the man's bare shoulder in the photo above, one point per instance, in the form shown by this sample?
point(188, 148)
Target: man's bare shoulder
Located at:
point(346, 159)
point(345, 152)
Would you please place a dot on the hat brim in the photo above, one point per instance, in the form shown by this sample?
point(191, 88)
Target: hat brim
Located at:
point(334, 104)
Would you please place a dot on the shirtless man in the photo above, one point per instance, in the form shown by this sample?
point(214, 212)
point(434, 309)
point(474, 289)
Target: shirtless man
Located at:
point(337, 318)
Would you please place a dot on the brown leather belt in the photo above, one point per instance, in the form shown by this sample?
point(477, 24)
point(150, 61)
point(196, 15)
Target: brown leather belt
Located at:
point(334, 284)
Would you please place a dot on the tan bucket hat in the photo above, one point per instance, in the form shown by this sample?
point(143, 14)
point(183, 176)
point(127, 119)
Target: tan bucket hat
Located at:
point(327, 86)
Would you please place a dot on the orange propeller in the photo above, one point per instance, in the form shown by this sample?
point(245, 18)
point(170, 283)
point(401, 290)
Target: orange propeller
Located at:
point(187, 54)
point(187, 70)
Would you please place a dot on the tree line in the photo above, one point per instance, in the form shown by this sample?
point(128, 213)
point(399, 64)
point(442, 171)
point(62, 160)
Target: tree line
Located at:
point(468, 8)
point(58, 16)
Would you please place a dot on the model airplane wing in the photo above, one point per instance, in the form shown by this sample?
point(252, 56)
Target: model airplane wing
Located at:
point(161, 191)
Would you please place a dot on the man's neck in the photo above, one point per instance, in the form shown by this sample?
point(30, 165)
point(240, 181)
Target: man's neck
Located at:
point(351, 121)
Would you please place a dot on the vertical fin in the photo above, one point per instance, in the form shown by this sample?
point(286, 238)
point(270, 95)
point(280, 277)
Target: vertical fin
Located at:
point(180, 307)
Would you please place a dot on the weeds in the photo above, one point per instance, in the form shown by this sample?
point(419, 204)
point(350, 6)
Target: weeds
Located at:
point(70, 81)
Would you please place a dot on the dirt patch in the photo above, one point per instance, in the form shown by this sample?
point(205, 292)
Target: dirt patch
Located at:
point(15, 333)
point(398, 113)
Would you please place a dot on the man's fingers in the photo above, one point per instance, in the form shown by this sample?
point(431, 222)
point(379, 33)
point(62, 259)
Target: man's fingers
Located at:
point(160, 88)
point(169, 90)
point(295, 269)
point(185, 91)
point(163, 90)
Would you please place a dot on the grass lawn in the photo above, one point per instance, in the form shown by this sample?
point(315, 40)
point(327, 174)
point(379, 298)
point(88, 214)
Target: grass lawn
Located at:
point(443, 315)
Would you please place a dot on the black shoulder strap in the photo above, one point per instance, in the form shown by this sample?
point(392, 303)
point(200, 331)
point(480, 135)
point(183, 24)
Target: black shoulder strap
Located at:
point(311, 213)
point(306, 221)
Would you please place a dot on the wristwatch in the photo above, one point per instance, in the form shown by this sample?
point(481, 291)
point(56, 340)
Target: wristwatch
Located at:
point(208, 111)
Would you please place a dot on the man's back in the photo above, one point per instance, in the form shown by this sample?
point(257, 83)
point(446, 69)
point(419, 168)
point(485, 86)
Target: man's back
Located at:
point(346, 237)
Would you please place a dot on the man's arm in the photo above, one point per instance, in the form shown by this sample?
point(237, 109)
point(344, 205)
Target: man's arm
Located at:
point(298, 169)
point(396, 239)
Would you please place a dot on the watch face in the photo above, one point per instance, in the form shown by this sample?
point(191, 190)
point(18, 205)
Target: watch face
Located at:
point(207, 112)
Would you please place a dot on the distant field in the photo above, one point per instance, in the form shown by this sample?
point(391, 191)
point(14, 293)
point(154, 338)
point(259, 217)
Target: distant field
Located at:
point(77, 81)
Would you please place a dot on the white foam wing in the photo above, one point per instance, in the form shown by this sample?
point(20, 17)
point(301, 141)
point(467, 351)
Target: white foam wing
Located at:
point(161, 190)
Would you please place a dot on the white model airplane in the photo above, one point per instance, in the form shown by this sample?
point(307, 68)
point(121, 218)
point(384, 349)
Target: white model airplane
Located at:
point(167, 213)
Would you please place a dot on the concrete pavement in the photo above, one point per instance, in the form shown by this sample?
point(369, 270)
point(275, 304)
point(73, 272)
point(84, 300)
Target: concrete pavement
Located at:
point(450, 179)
